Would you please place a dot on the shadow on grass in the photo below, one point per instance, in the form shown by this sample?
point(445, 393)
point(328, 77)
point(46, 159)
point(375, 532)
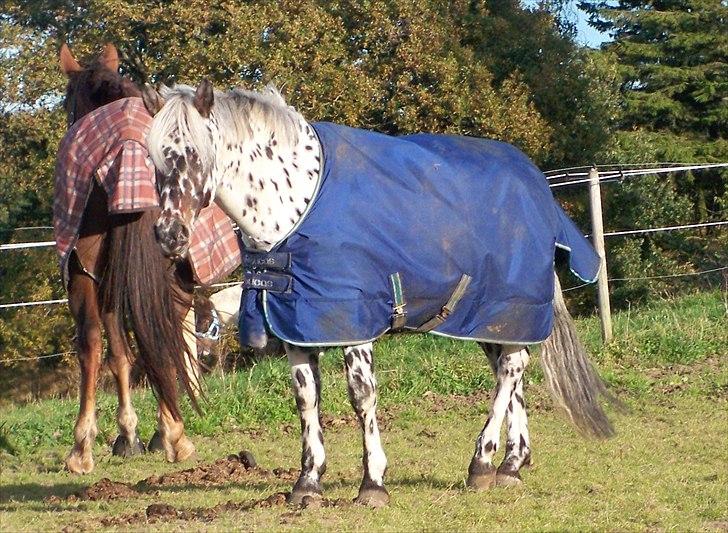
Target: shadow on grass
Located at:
point(22, 492)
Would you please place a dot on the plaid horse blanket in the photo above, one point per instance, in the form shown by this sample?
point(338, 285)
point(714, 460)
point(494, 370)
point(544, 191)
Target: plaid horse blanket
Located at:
point(455, 236)
point(108, 145)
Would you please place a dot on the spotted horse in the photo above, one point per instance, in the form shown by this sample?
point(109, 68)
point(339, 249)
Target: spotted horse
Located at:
point(352, 234)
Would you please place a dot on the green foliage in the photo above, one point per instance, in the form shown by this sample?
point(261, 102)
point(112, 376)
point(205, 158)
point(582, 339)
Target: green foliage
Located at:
point(574, 89)
point(671, 59)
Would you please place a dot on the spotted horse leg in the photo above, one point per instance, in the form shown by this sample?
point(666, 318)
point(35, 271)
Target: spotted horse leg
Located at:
point(518, 443)
point(307, 391)
point(509, 363)
point(362, 387)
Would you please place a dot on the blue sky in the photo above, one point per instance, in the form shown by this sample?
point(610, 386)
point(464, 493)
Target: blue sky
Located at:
point(586, 34)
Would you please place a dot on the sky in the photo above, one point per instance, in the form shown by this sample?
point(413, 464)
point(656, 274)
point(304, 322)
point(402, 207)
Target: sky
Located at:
point(586, 34)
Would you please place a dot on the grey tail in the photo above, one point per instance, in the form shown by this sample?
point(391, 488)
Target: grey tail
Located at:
point(571, 377)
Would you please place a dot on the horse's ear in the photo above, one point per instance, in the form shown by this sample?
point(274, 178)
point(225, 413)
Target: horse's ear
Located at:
point(68, 62)
point(204, 98)
point(110, 57)
point(153, 101)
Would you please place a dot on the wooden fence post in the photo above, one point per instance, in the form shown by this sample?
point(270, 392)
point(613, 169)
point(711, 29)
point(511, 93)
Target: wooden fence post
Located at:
point(595, 202)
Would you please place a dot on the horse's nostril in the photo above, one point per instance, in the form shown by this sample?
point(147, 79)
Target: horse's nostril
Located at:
point(178, 233)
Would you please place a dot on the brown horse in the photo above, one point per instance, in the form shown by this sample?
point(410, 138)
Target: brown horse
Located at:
point(119, 280)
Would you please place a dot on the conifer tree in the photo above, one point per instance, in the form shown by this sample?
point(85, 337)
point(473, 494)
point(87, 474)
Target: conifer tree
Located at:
point(672, 56)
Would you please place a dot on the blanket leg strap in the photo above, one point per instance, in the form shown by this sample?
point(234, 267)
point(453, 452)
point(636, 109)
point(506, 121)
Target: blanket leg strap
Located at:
point(399, 315)
point(449, 307)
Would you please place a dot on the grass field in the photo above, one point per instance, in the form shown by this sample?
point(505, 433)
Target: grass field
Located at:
point(666, 469)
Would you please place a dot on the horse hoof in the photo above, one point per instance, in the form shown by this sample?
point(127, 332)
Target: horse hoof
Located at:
point(304, 488)
point(183, 450)
point(123, 448)
point(481, 476)
point(373, 496)
point(508, 479)
point(78, 464)
point(156, 444)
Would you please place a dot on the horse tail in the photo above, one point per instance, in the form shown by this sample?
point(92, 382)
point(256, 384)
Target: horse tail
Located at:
point(140, 286)
point(573, 381)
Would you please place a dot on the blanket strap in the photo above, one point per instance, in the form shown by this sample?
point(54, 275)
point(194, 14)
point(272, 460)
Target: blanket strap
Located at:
point(256, 260)
point(269, 281)
point(449, 307)
point(399, 315)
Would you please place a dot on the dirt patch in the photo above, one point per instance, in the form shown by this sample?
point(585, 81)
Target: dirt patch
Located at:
point(163, 512)
point(236, 468)
point(103, 490)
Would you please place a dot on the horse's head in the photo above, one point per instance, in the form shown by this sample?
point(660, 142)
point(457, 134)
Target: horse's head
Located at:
point(182, 148)
point(95, 85)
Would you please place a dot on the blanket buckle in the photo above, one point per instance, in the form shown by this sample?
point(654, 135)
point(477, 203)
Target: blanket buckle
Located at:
point(449, 307)
point(399, 314)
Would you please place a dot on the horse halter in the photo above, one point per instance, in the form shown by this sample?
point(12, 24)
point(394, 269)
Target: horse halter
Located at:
point(213, 330)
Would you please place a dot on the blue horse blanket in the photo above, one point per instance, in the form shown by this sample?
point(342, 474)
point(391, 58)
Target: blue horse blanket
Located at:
point(441, 233)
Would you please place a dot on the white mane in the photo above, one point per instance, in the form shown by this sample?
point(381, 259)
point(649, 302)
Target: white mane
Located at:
point(236, 113)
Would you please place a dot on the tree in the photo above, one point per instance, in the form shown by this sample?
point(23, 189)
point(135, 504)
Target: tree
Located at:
point(672, 61)
point(573, 88)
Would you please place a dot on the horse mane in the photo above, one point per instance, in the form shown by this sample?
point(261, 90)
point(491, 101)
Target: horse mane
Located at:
point(96, 85)
point(237, 113)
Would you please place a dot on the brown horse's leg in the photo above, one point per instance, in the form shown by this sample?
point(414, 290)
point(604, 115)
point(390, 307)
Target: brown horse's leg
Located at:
point(83, 301)
point(170, 435)
point(127, 443)
point(177, 446)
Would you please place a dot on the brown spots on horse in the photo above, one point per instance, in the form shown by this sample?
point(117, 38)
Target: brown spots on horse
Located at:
point(174, 196)
point(248, 201)
point(269, 152)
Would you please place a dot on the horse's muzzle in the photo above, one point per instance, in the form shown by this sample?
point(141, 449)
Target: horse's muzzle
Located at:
point(173, 237)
